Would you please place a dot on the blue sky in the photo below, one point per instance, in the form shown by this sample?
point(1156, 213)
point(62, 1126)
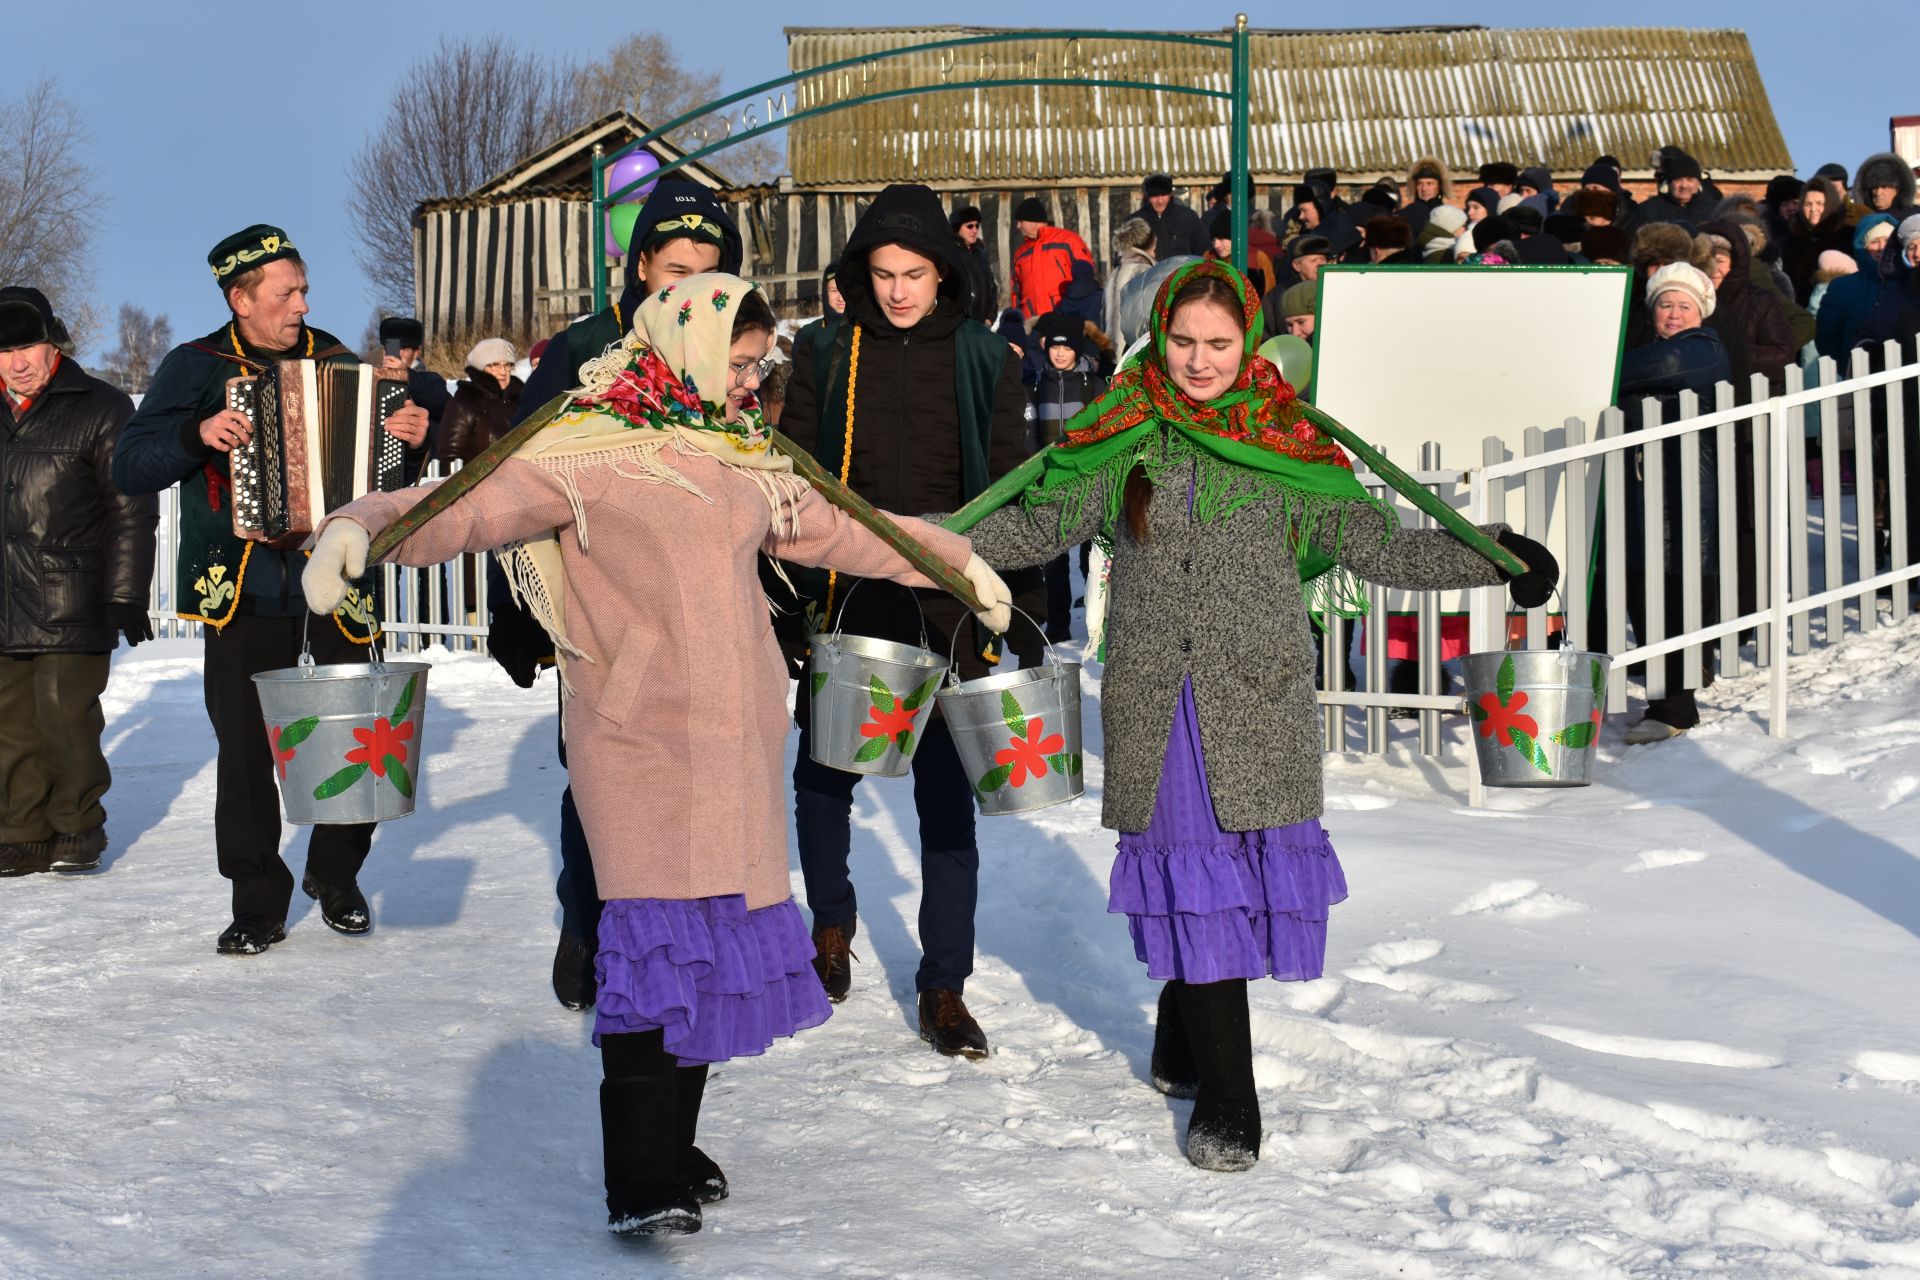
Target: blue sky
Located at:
point(207, 117)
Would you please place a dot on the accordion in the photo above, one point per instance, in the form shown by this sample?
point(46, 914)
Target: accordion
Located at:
point(319, 441)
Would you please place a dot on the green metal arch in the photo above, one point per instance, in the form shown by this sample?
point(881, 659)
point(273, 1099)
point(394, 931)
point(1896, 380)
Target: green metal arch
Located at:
point(1237, 45)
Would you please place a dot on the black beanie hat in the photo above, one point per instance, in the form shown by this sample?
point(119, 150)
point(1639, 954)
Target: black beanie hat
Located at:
point(1601, 175)
point(27, 319)
point(963, 215)
point(1056, 328)
point(1784, 187)
point(1220, 223)
point(1031, 210)
point(1526, 219)
point(1490, 231)
point(409, 331)
point(1834, 173)
point(1157, 184)
point(1675, 163)
point(1564, 227)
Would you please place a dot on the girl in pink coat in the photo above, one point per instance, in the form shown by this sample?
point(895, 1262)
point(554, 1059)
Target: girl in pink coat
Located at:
point(630, 526)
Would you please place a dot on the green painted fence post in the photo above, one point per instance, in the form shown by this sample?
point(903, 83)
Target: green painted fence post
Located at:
point(1242, 137)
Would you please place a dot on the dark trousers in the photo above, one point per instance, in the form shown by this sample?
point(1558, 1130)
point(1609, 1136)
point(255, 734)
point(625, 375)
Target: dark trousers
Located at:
point(246, 806)
point(52, 771)
point(949, 859)
point(1059, 600)
point(1678, 708)
point(576, 888)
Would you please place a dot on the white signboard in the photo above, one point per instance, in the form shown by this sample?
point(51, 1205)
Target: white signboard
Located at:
point(1404, 356)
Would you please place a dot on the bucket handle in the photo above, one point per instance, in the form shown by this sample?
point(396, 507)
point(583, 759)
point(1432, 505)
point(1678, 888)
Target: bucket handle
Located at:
point(1560, 600)
point(375, 659)
point(953, 644)
point(841, 616)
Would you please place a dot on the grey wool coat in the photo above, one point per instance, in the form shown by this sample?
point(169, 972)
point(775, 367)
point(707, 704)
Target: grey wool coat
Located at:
point(1222, 603)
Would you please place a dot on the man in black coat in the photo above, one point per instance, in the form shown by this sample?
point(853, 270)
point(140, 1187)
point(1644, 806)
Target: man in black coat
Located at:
point(246, 593)
point(918, 408)
point(984, 305)
point(76, 568)
point(402, 339)
point(1686, 195)
point(1177, 229)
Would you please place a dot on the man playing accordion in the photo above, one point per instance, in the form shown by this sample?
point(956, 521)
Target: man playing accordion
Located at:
point(246, 594)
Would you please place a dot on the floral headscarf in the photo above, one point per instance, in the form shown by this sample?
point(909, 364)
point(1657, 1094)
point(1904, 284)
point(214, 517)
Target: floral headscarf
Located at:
point(1249, 445)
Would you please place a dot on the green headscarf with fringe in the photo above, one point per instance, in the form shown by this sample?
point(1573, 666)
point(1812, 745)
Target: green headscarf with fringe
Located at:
point(1251, 445)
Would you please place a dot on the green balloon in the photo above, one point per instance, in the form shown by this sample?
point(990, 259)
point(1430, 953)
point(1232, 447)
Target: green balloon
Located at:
point(1293, 355)
point(620, 220)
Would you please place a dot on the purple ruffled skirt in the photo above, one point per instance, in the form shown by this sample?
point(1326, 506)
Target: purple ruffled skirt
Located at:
point(721, 981)
point(1204, 904)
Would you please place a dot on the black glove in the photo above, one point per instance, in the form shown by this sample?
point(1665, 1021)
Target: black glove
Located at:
point(131, 621)
point(1533, 588)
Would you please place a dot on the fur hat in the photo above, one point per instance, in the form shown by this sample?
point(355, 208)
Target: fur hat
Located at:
point(405, 330)
point(963, 215)
point(1299, 299)
point(1500, 172)
point(27, 319)
point(1564, 228)
point(1687, 278)
point(1449, 218)
point(1157, 184)
point(1662, 242)
point(1134, 233)
point(1427, 168)
point(490, 351)
point(1884, 170)
point(1032, 210)
point(1591, 204)
point(1605, 244)
point(1304, 245)
point(1388, 232)
point(1832, 263)
point(1784, 187)
point(1380, 197)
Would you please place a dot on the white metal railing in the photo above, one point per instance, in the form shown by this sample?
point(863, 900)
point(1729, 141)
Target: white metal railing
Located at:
point(445, 604)
point(1816, 566)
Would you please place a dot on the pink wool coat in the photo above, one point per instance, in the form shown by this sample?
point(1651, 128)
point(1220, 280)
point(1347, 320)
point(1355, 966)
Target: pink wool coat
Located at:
point(677, 727)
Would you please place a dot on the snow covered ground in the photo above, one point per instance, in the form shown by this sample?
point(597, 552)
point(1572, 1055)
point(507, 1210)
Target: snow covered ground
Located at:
point(1653, 1028)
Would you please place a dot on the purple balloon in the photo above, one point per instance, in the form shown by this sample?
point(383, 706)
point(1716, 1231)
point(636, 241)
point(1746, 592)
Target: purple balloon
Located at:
point(632, 168)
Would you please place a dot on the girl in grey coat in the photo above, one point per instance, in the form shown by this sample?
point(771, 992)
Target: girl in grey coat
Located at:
point(1228, 517)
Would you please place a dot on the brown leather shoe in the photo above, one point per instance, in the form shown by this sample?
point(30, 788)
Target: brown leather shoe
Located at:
point(833, 958)
point(948, 1027)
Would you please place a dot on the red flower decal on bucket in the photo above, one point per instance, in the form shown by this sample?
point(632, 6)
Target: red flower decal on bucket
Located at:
point(886, 724)
point(1502, 718)
point(1027, 756)
point(380, 743)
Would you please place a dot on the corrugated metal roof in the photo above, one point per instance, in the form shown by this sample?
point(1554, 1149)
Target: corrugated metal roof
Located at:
point(1362, 102)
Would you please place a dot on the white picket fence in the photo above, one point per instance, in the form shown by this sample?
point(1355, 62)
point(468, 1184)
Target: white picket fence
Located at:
point(1818, 574)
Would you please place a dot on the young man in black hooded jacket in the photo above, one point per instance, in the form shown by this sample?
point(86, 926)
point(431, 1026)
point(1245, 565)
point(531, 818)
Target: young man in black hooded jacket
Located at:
point(919, 408)
point(681, 231)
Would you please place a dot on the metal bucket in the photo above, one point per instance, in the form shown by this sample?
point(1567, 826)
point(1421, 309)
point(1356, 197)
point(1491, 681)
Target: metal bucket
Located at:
point(347, 739)
point(1018, 735)
point(1536, 715)
point(870, 702)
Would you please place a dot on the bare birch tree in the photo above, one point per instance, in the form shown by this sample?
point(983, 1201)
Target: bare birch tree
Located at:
point(144, 339)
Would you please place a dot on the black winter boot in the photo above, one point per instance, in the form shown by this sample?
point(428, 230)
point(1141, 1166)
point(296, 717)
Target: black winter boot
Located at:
point(1173, 1069)
point(638, 1120)
point(700, 1175)
point(1224, 1134)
